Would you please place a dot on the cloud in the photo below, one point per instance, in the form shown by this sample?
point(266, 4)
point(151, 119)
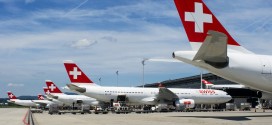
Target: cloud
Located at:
point(15, 85)
point(109, 38)
point(34, 42)
point(83, 43)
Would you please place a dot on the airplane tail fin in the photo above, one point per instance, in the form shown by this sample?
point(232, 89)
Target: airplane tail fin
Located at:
point(40, 97)
point(206, 82)
point(52, 88)
point(46, 91)
point(11, 95)
point(75, 74)
point(197, 20)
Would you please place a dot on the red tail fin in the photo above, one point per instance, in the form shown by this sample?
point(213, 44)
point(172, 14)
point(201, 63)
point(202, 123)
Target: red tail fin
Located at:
point(11, 96)
point(40, 97)
point(75, 73)
point(52, 87)
point(46, 91)
point(197, 20)
point(206, 82)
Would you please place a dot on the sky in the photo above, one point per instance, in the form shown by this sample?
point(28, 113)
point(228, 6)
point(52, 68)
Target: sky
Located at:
point(105, 36)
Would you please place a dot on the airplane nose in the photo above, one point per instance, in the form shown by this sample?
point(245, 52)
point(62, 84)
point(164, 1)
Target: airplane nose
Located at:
point(228, 98)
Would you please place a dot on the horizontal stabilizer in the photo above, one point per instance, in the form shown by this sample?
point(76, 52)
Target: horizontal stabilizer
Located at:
point(214, 50)
point(76, 88)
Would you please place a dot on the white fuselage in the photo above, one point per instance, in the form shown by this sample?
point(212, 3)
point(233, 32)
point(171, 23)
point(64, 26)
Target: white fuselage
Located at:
point(28, 103)
point(137, 95)
point(250, 70)
point(54, 101)
point(265, 95)
point(45, 102)
point(73, 99)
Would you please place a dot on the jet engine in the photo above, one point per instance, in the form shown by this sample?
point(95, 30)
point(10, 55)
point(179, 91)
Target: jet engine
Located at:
point(79, 101)
point(184, 103)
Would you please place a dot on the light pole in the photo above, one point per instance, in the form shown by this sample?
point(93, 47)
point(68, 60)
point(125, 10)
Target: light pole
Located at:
point(201, 79)
point(100, 80)
point(143, 62)
point(117, 73)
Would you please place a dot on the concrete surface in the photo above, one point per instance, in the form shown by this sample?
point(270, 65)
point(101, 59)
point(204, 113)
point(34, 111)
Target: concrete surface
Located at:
point(173, 118)
point(12, 116)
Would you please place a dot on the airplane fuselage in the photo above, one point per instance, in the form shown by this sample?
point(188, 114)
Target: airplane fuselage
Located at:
point(250, 70)
point(137, 95)
point(27, 103)
point(73, 99)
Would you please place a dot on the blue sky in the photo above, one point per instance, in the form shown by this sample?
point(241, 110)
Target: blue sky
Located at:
point(103, 36)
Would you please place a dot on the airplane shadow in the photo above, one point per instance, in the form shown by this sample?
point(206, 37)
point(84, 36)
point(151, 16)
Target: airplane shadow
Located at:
point(232, 118)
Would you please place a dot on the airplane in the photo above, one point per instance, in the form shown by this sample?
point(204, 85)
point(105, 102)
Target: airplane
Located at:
point(214, 49)
point(56, 93)
point(47, 94)
point(212, 86)
point(13, 99)
point(209, 85)
point(81, 84)
point(42, 101)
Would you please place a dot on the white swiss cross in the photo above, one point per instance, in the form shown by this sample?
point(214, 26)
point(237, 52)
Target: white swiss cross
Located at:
point(198, 17)
point(47, 92)
point(41, 98)
point(52, 87)
point(75, 73)
point(11, 95)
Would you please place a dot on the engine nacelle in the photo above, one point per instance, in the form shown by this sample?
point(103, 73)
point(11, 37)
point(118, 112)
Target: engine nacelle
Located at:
point(184, 103)
point(79, 101)
point(95, 103)
point(259, 94)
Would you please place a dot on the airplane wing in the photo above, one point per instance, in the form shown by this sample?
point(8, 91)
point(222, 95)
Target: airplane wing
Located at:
point(166, 95)
point(41, 102)
point(214, 50)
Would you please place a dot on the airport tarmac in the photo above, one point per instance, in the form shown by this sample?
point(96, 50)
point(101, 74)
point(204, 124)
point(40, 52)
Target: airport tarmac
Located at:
point(172, 118)
point(12, 116)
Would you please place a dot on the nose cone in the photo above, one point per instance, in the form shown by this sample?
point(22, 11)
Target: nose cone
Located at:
point(225, 98)
point(228, 98)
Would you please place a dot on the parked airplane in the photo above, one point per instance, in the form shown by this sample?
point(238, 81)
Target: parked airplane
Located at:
point(261, 95)
point(220, 53)
point(47, 94)
point(13, 99)
point(68, 99)
point(210, 85)
point(42, 101)
point(138, 95)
